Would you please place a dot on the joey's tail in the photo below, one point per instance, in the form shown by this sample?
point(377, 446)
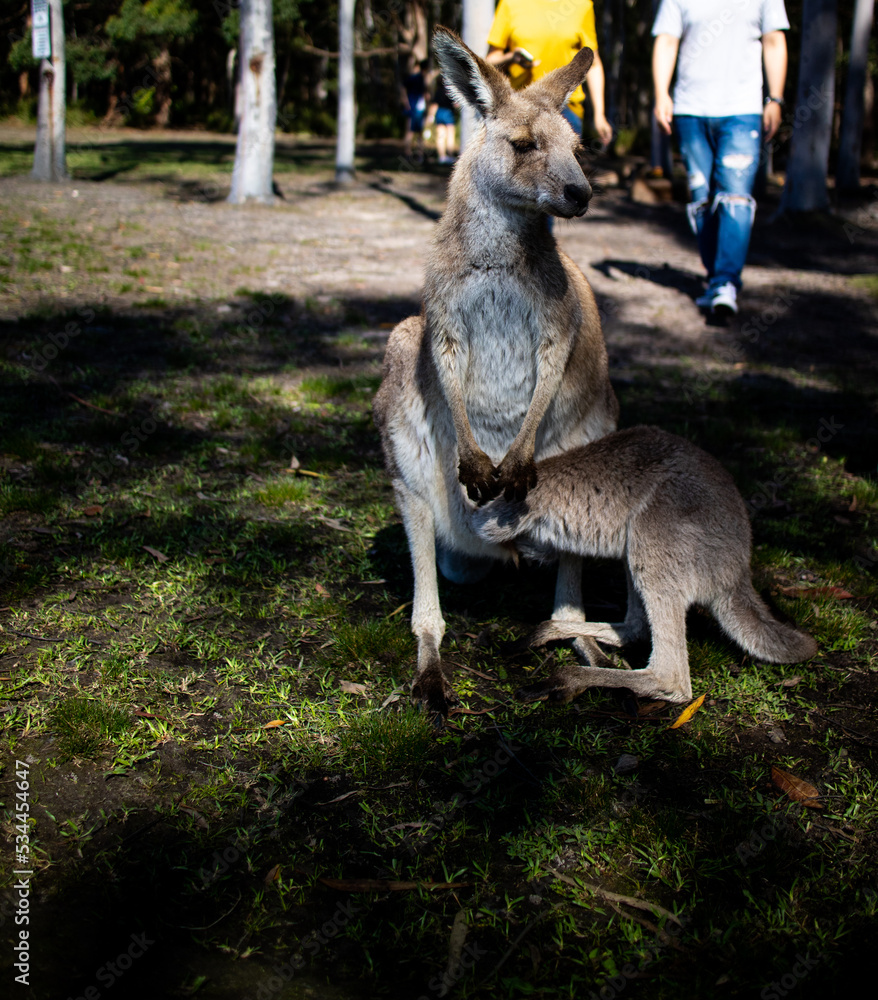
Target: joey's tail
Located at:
point(745, 617)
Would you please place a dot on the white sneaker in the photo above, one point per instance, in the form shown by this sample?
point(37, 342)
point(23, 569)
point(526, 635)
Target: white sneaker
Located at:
point(725, 300)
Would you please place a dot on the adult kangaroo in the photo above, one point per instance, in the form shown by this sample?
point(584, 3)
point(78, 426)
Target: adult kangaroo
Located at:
point(506, 363)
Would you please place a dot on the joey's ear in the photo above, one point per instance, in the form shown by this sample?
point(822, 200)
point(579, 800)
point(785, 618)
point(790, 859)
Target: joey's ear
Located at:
point(560, 83)
point(469, 80)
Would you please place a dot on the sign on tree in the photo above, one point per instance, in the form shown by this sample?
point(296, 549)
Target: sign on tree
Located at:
point(41, 32)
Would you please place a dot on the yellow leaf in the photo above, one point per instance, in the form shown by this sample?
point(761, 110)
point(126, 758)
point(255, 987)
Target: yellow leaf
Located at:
point(274, 723)
point(687, 713)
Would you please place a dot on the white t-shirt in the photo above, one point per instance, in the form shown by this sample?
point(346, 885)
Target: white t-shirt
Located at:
point(719, 65)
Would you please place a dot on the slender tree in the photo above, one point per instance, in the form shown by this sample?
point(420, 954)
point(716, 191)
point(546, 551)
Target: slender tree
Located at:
point(805, 188)
point(50, 150)
point(847, 175)
point(478, 16)
point(254, 156)
point(347, 109)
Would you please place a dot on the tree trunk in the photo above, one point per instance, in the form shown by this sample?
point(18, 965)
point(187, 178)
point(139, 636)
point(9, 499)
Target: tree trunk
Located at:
point(162, 64)
point(254, 155)
point(805, 187)
point(478, 16)
point(347, 111)
point(847, 176)
point(50, 154)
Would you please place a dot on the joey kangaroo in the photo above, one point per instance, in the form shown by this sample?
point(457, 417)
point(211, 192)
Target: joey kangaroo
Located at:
point(506, 362)
point(672, 512)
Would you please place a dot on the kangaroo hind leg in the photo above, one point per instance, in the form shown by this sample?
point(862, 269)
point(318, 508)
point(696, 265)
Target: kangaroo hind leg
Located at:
point(430, 687)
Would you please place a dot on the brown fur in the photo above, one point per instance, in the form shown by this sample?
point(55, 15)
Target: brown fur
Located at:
point(507, 362)
point(674, 515)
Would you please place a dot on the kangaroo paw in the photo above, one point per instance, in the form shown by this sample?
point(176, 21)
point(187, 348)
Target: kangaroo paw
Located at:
point(432, 691)
point(478, 475)
point(515, 479)
point(559, 687)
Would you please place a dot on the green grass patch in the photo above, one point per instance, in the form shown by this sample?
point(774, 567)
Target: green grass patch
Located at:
point(84, 727)
point(867, 282)
point(379, 743)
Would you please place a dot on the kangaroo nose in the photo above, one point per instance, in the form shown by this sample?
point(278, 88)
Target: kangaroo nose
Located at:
point(579, 195)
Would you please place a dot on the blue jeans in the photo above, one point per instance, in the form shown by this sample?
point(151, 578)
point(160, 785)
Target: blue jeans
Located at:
point(572, 119)
point(722, 158)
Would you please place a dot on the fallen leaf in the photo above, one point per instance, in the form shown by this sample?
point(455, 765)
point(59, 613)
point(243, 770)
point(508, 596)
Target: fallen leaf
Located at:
point(349, 687)
point(321, 590)
point(650, 708)
point(155, 552)
point(93, 511)
point(332, 522)
point(385, 885)
point(796, 789)
point(272, 875)
point(790, 682)
point(295, 463)
point(44, 531)
point(838, 592)
point(687, 713)
point(274, 723)
point(155, 289)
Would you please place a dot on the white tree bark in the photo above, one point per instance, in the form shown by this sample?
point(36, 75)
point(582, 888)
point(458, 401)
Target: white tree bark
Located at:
point(805, 188)
point(347, 109)
point(254, 156)
point(478, 16)
point(50, 150)
point(847, 175)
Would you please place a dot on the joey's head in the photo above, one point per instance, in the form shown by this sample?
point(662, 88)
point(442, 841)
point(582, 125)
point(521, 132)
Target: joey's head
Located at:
point(523, 155)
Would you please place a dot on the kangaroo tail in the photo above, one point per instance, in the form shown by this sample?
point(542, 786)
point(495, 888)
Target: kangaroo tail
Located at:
point(747, 620)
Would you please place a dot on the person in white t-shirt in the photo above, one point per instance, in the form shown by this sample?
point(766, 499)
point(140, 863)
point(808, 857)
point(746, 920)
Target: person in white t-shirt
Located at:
point(721, 118)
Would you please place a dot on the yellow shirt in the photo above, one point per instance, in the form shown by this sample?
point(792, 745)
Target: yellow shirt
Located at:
point(552, 31)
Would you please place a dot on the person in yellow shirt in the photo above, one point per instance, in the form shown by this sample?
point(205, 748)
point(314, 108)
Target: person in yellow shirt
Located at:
point(530, 38)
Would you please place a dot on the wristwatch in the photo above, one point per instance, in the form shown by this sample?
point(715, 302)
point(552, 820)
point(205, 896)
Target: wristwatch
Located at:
point(774, 100)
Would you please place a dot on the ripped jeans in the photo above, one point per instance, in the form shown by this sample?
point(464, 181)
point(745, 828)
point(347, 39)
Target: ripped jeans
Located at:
point(722, 158)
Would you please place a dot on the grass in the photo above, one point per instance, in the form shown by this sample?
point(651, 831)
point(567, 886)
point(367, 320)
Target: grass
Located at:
point(205, 655)
point(83, 726)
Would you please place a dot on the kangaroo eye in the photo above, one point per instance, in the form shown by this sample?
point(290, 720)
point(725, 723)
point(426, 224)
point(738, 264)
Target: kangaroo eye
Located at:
point(523, 145)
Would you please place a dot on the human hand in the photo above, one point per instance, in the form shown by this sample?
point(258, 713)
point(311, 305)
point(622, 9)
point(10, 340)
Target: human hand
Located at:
point(664, 112)
point(772, 115)
point(521, 57)
point(604, 129)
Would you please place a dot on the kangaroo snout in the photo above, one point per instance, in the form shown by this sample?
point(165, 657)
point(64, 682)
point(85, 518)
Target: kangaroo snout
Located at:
point(578, 195)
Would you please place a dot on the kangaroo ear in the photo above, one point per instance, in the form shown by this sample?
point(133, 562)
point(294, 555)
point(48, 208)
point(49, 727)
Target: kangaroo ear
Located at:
point(469, 80)
point(560, 83)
